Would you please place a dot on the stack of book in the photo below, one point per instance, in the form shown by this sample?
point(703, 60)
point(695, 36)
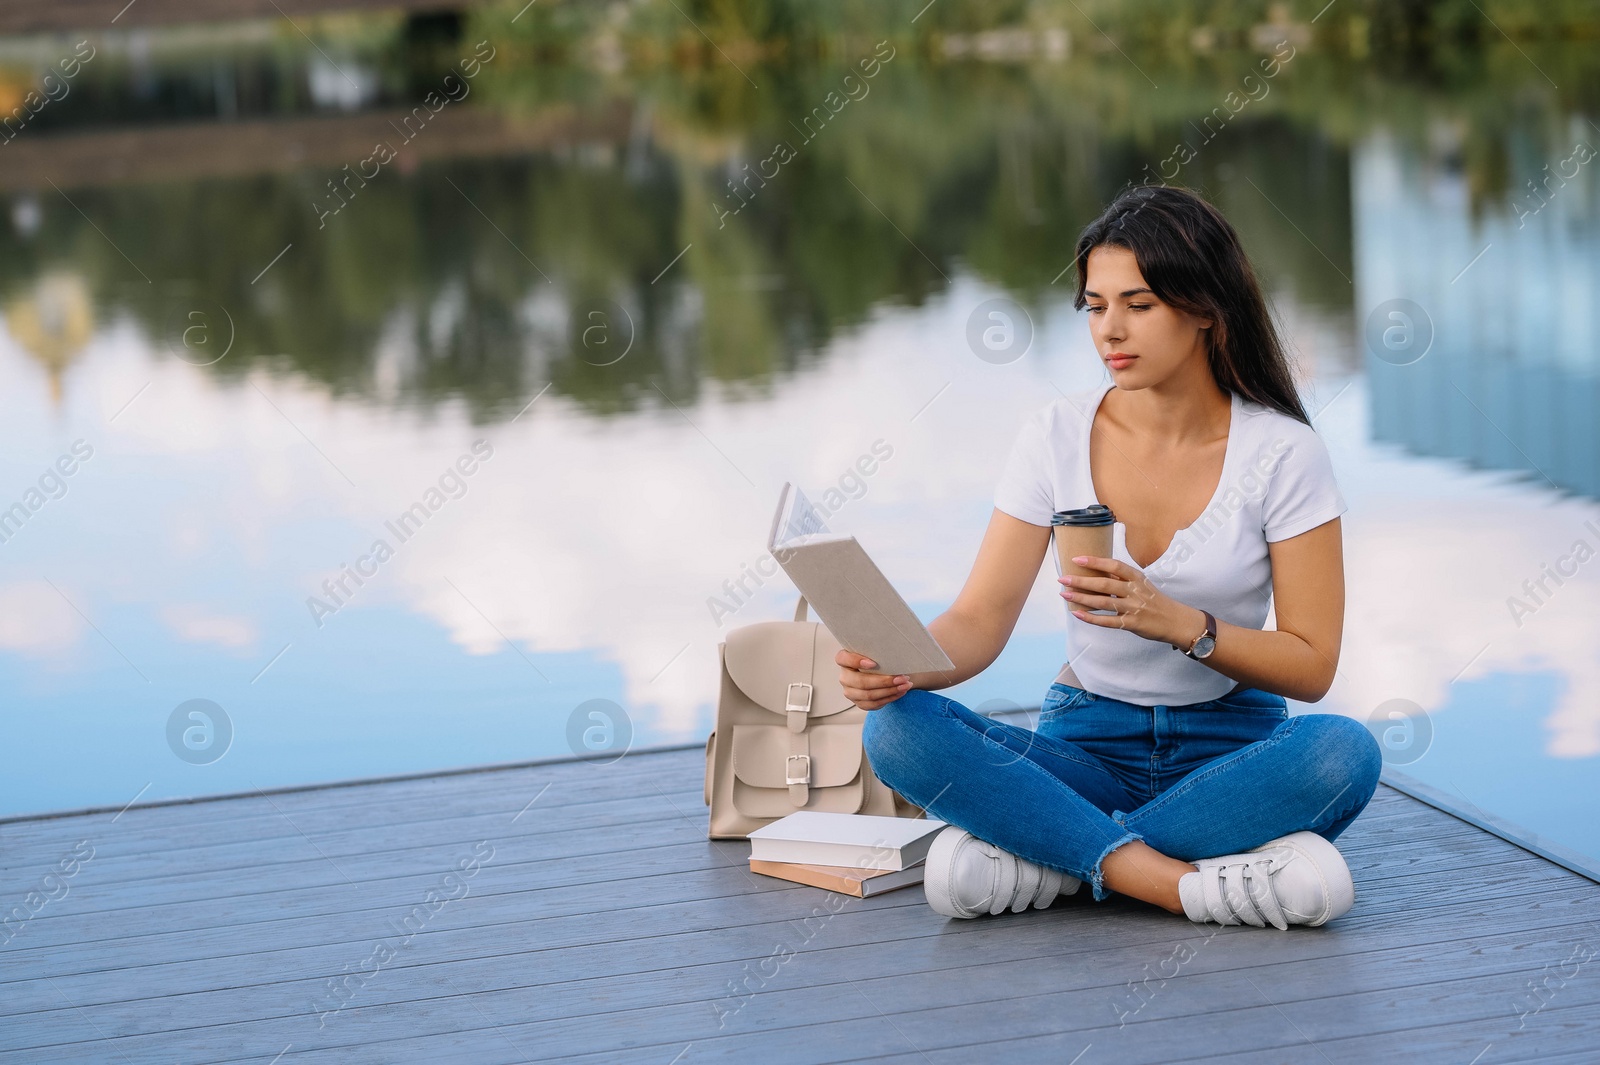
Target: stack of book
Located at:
point(853, 854)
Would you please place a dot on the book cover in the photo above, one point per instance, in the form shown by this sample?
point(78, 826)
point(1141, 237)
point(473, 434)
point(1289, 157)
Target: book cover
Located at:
point(849, 593)
point(861, 883)
point(864, 841)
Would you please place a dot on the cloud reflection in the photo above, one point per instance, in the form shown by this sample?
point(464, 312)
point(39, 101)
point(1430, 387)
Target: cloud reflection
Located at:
point(604, 538)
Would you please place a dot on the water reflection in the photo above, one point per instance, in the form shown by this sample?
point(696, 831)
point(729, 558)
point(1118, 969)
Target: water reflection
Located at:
point(1507, 373)
point(1490, 361)
point(483, 267)
point(472, 299)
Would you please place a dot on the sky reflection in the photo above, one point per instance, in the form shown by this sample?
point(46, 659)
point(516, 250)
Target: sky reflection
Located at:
point(579, 561)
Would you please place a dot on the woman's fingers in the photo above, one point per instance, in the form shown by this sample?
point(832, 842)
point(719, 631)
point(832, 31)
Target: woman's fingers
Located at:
point(875, 701)
point(869, 684)
point(1113, 567)
point(856, 667)
point(866, 689)
point(1095, 585)
point(1092, 601)
point(851, 660)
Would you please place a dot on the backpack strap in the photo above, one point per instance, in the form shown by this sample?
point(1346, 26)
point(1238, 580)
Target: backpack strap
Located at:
point(797, 768)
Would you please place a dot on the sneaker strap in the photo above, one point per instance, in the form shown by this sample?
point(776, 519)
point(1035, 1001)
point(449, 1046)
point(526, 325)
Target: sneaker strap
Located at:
point(1004, 879)
point(1029, 878)
point(1242, 893)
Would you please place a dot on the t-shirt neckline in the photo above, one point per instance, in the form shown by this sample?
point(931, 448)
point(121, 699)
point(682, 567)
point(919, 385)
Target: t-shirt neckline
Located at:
point(1222, 479)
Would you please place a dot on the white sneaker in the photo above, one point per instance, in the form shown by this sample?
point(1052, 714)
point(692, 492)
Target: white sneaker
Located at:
point(966, 877)
point(1300, 878)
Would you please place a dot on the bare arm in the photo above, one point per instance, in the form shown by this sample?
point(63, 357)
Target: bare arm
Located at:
point(1298, 659)
point(975, 629)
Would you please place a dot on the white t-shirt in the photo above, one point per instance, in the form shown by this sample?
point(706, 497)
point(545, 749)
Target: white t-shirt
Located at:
point(1277, 482)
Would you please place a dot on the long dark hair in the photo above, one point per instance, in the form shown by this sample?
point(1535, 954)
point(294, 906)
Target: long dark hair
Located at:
point(1192, 259)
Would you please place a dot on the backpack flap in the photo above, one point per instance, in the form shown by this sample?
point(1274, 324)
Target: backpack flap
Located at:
point(766, 658)
point(769, 780)
point(793, 734)
point(761, 756)
point(787, 738)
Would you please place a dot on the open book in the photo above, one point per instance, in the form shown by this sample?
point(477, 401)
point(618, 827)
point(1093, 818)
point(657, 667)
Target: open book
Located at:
point(852, 597)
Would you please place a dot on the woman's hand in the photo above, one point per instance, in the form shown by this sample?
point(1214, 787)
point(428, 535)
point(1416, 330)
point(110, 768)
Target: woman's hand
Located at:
point(1140, 606)
point(868, 690)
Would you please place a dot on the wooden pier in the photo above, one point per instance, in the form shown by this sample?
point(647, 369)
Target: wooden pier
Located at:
point(572, 911)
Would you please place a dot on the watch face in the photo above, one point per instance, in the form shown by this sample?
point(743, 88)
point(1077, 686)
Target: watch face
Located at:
point(1204, 646)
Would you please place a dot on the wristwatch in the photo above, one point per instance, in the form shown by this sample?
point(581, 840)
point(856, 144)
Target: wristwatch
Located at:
point(1204, 643)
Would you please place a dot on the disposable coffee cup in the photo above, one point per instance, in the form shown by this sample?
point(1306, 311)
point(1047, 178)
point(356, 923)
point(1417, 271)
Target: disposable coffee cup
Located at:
point(1085, 531)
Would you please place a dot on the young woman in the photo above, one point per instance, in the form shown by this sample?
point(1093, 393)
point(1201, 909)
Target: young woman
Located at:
point(1165, 765)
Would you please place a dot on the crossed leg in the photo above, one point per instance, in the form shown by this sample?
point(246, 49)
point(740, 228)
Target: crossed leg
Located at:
point(1052, 802)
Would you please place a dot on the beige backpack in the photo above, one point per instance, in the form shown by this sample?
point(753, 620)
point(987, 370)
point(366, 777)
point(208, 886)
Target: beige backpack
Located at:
point(787, 738)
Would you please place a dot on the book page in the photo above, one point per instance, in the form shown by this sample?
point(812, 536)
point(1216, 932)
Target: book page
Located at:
point(813, 538)
point(802, 520)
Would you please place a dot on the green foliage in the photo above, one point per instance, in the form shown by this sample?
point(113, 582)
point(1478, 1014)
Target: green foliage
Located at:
point(475, 270)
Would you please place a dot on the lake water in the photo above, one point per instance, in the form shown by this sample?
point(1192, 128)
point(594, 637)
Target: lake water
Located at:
point(550, 330)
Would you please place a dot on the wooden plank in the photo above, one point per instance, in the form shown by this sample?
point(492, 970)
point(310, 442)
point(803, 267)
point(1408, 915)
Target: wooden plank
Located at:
point(183, 971)
point(498, 893)
point(308, 870)
point(259, 858)
point(1295, 967)
point(569, 772)
point(262, 855)
point(1459, 1041)
point(183, 923)
point(939, 940)
point(332, 848)
point(290, 835)
point(1524, 837)
point(42, 923)
point(868, 1038)
point(582, 945)
point(1431, 1029)
point(545, 871)
point(452, 944)
point(202, 897)
point(396, 802)
point(571, 781)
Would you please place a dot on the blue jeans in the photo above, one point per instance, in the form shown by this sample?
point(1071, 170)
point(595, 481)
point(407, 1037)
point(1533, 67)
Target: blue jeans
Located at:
point(1194, 781)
